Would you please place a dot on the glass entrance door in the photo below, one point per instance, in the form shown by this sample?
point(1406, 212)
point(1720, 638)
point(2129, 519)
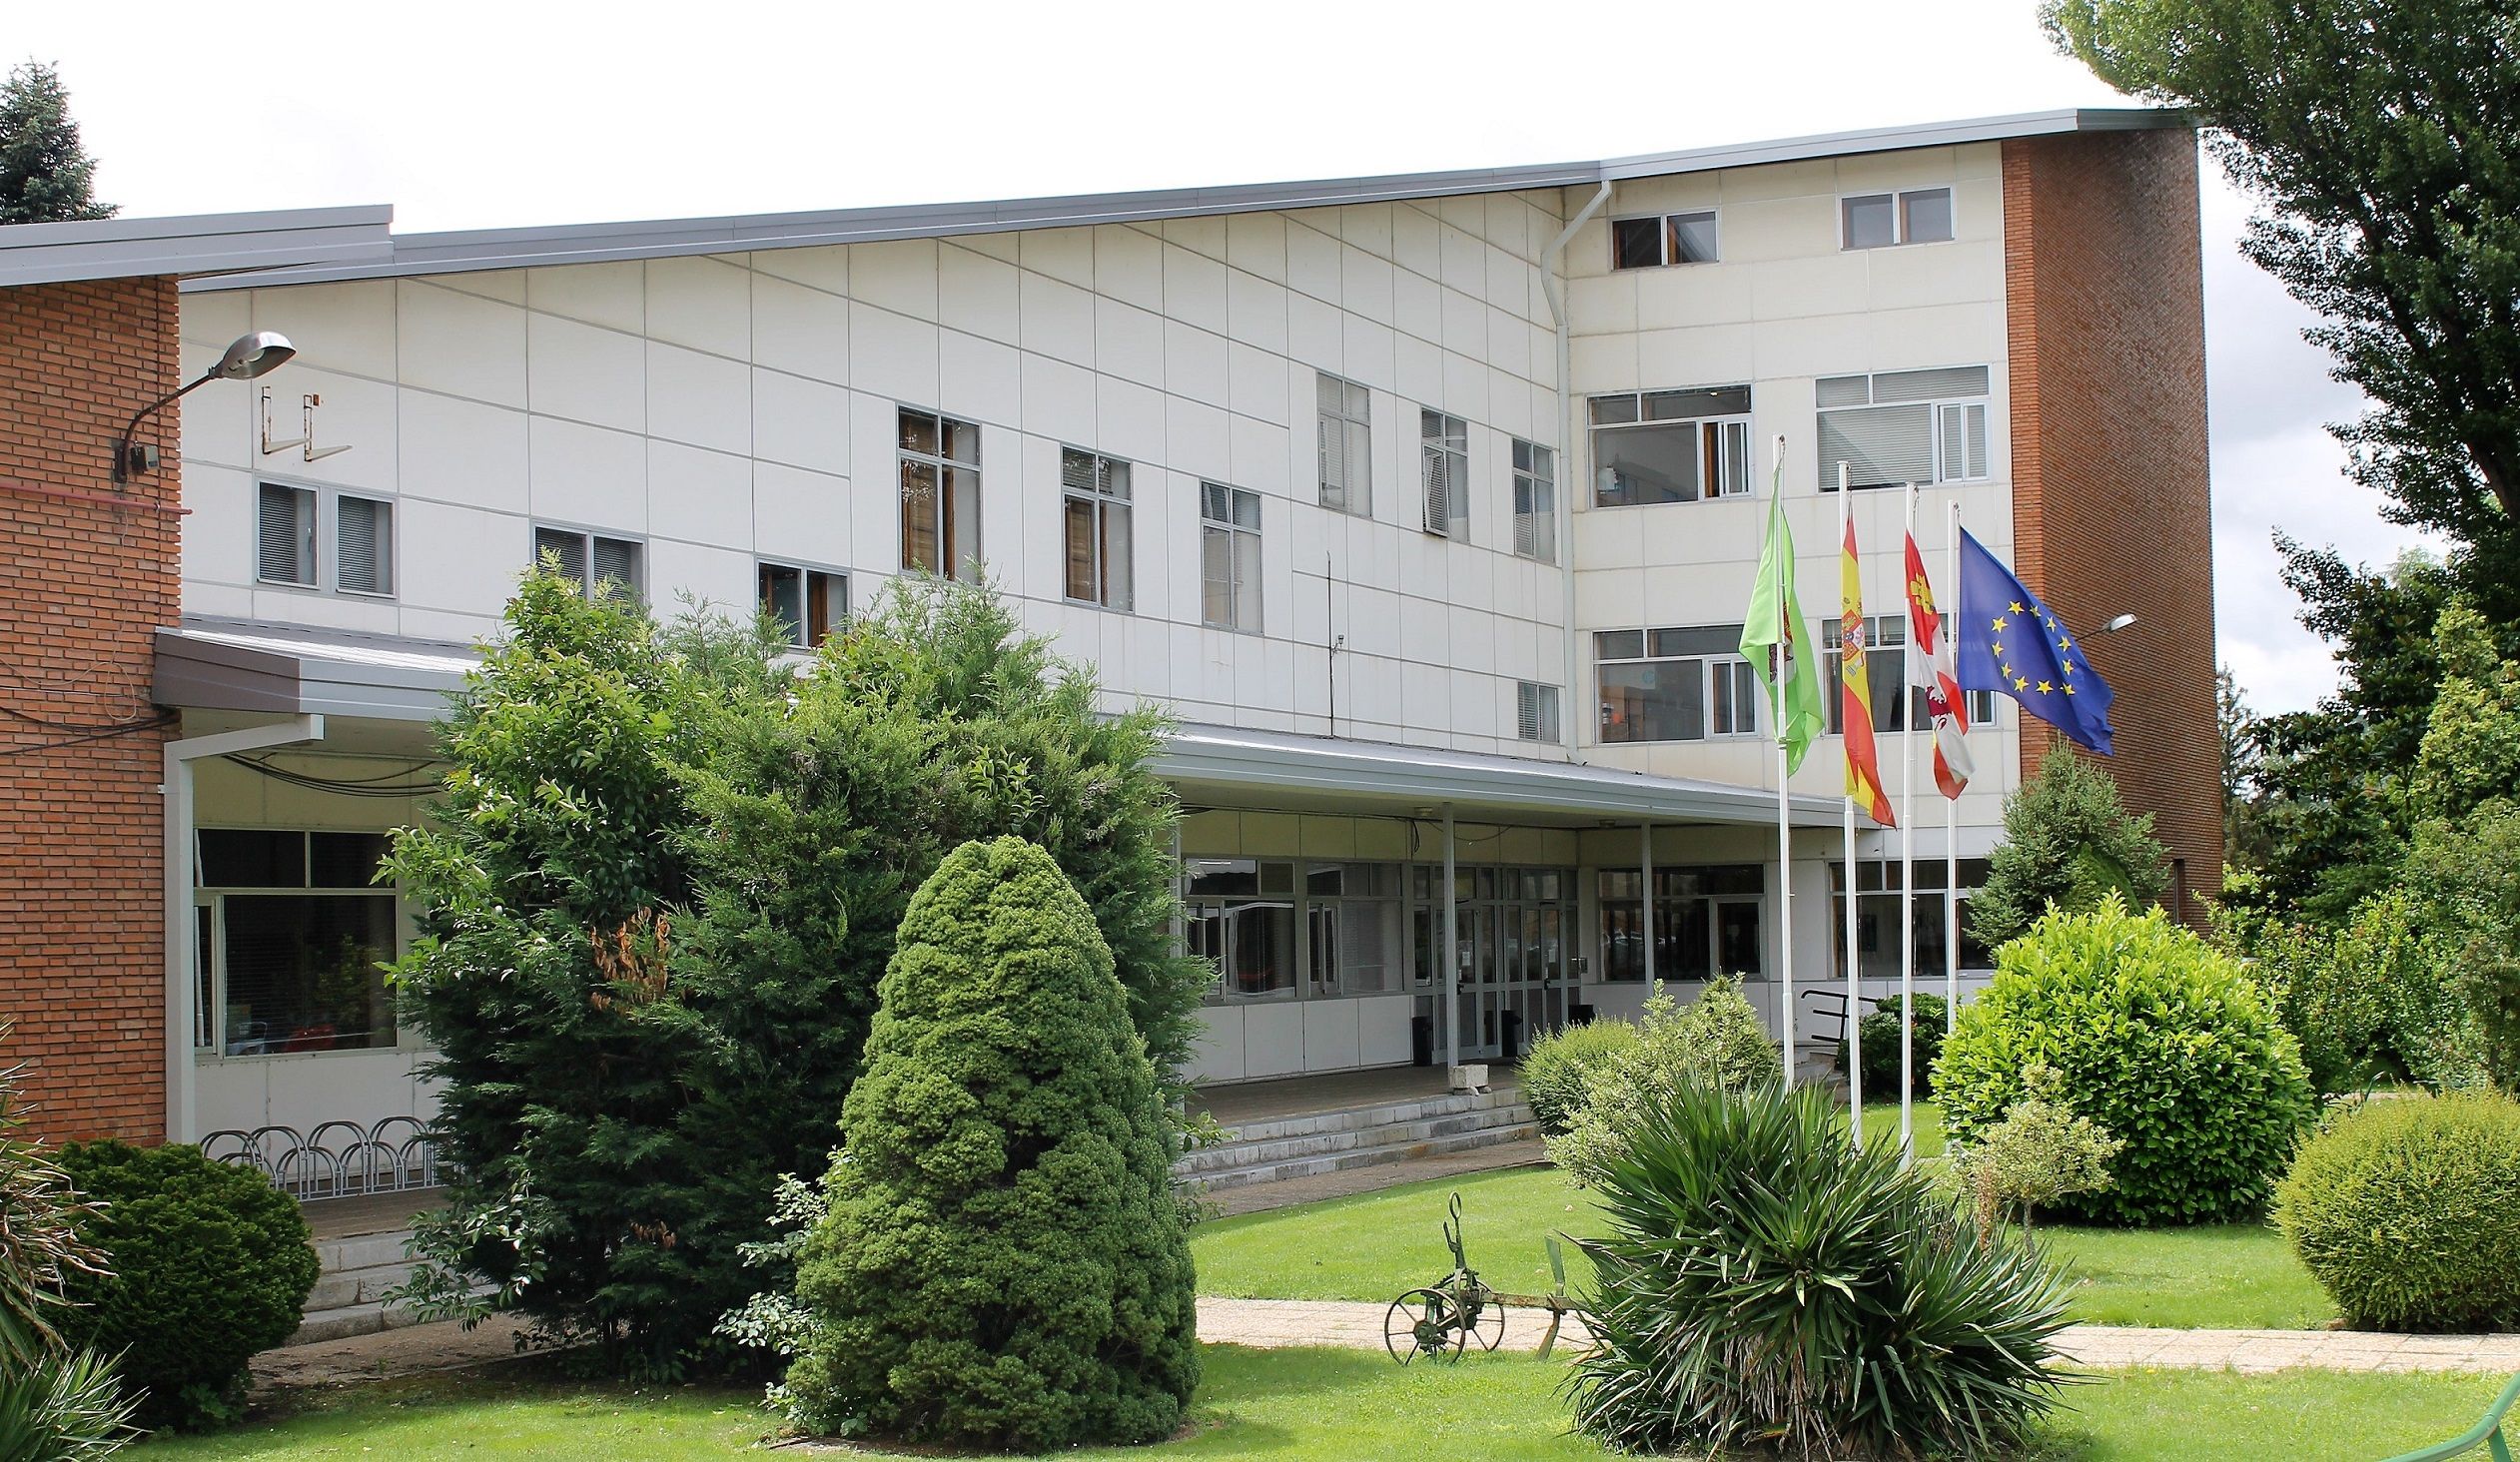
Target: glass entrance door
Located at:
point(1511, 953)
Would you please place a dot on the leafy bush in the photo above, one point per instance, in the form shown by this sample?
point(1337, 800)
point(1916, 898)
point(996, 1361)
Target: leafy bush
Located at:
point(2465, 879)
point(1002, 1266)
point(1715, 1040)
point(2041, 1152)
point(1764, 1283)
point(2158, 1038)
point(2376, 999)
point(55, 1402)
point(210, 1266)
point(658, 896)
point(1555, 1069)
point(2067, 841)
point(2404, 1211)
point(1878, 1035)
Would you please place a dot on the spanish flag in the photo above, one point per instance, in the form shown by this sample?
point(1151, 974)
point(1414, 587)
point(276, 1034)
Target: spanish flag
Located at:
point(1855, 693)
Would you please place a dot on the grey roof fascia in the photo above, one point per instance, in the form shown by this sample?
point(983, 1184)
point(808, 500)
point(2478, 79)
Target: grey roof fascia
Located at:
point(207, 672)
point(201, 243)
point(1894, 139)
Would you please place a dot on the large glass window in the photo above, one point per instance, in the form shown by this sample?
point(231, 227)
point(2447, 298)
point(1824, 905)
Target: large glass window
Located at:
point(1877, 917)
point(1707, 921)
point(1686, 684)
point(1670, 446)
point(1228, 557)
point(292, 937)
point(1346, 447)
point(940, 495)
point(1899, 427)
point(1239, 913)
point(1886, 650)
point(1094, 521)
point(1353, 927)
point(1535, 501)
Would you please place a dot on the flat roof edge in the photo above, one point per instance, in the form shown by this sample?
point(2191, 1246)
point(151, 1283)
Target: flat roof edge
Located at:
point(102, 249)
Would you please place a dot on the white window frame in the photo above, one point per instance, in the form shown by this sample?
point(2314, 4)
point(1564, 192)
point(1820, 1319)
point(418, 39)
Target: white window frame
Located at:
point(586, 536)
point(1537, 710)
point(1231, 529)
point(1107, 494)
point(1740, 693)
point(1444, 443)
point(1535, 501)
point(1354, 493)
point(210, 979)
point(800, 635)
point(324, 543)
point(1883, 633)
point(1666, 257)
point(1897, 216)
point(1734, 443)
point(956, 559)
point(1936, 408)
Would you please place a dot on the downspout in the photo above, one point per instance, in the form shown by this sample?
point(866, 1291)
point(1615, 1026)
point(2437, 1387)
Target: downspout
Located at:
point(180, 984)
point(1550, 260)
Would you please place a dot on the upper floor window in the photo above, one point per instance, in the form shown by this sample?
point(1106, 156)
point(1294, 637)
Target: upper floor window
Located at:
point(1535, 711)
point(1878, 219)
point(1229, 557)
point(1897, 427)
point(1346, 447)
point(1886, 653)
point(591, 558)
point(1649, 242)
point(1535, 501)
point(1670, 446)
point(940, 495)
point(809, 603)
point(1444, 460)
point(1093, 518)
point(1685, 684)
point(292, 522)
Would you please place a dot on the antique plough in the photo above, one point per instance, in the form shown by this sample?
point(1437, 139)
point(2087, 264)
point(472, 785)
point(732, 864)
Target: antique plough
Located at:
point(1440, 1320)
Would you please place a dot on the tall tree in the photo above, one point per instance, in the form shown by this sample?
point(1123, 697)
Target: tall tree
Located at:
point(46, 177)
point(2068, 842)
point(2385, 137)
point(2243, 836)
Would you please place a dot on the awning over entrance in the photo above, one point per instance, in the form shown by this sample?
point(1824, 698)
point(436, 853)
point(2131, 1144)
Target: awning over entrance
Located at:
point(219, 665)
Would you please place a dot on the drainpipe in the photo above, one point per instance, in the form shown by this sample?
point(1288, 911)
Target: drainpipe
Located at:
point(1550, 258)
point(180, 1016)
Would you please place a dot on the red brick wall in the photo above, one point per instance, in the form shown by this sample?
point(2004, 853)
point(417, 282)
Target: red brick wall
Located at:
point(2105, 306)
point(82, 584)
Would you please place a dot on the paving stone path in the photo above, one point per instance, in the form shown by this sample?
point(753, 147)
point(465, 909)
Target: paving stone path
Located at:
point(1277, 1323)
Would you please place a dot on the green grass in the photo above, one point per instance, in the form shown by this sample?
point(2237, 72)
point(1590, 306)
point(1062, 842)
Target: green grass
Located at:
point(1372, 1247)
point(1316, 1405)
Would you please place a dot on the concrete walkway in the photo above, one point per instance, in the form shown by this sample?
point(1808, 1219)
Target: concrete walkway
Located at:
point(1277, 1323)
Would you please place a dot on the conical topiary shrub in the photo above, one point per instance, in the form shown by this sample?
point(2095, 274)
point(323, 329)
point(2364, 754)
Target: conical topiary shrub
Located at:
point(1004, 1266)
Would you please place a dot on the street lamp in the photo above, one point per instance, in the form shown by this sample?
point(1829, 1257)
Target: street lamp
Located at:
point(251, 356)
point(2122, 621)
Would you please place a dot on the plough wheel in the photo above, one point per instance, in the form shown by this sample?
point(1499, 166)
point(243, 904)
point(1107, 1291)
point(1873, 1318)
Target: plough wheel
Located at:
point(1425, 1322)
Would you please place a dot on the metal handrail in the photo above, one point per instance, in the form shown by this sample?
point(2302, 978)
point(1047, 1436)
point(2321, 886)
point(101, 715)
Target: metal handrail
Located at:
point(2486, 1433)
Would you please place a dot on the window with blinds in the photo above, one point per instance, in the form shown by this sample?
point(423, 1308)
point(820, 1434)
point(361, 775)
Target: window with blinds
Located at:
point(1899, 427)
point(1445, 460)
point(593, 560)
point(363, 532)
point(1228, 557)
point(1095, 523)
point(1535, 501)
point(1670, 446)
point(809, 603)
point(940, 495)
point(285, 535)
point(1346, 447)
point(1535, 711)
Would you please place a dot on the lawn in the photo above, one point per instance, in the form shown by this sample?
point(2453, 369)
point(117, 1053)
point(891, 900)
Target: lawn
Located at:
point(2219, 1276)
point(1295, 1406)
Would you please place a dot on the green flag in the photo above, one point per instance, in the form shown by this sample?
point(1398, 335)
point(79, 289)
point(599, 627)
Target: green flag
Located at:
point(1775, 616)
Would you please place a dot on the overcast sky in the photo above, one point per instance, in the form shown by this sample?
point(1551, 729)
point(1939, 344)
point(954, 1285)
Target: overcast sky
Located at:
point(465, 115)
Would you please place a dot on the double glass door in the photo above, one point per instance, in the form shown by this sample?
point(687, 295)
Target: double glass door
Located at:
point(1511, 942)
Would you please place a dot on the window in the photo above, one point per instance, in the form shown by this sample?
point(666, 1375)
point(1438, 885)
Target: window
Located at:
point(1352, 915)
point(1649, 242)
point(1535, 711)
point(1877, 917)
point(809, 602)
point(292, 936)
point(1445, 460)
point(1240, 914)
point(1880, 220)
point(1706, 922)
point(1886, 650)
point(1675, 684)
point(1898, 427)
point(291, 522)
point(591, 558)
point(1535, 501)
point(1094, 521)
point(1670, 446)
point(1346, 447)
point(940, 495)
point(1229, 557)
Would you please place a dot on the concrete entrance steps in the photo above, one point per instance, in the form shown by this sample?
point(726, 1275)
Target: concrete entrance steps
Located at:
point(349, 1296)
point(1273, 1150)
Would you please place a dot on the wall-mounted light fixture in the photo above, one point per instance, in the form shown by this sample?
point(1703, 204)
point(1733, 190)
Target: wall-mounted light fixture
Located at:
point(2122, 621)
point(251, 356)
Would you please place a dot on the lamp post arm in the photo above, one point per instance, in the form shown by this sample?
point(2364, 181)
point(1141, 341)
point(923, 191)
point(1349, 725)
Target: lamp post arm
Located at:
point(122, 445)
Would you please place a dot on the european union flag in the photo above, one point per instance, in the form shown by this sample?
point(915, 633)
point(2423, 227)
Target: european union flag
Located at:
point(2011, 642)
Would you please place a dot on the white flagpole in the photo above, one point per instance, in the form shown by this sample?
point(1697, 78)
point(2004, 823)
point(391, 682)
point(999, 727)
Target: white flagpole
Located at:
point(1950, 811)
point(1784, 825)
point(1906, 878)
point(1853, 991)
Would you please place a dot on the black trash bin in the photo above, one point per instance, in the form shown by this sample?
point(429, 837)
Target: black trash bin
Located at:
point(1509, 1036)
point(1421, 1040)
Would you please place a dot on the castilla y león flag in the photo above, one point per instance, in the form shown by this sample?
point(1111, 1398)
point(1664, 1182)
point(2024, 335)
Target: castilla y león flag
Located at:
point(1854, 692)
point(1939, 678)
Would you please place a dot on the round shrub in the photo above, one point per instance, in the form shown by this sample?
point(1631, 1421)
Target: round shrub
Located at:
point(1764, 1283)
point(2158, 1038)
point(211, 1266)
point(1554, 1070)
point(1880, 1039)
point(1004, 1266)
point(1714, 1041)
point(2407, 1212)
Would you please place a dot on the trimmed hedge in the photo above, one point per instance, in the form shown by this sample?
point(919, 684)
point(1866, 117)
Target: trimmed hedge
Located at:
point(2407, 1212)
point(2159, 1038)
point(1553, 1072)
point(1879, 1032)
point(210, 1266)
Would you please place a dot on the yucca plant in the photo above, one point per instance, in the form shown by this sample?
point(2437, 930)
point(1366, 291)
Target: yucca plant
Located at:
point(1765, 1284)
point(65, 1407)
point(56, 1403)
